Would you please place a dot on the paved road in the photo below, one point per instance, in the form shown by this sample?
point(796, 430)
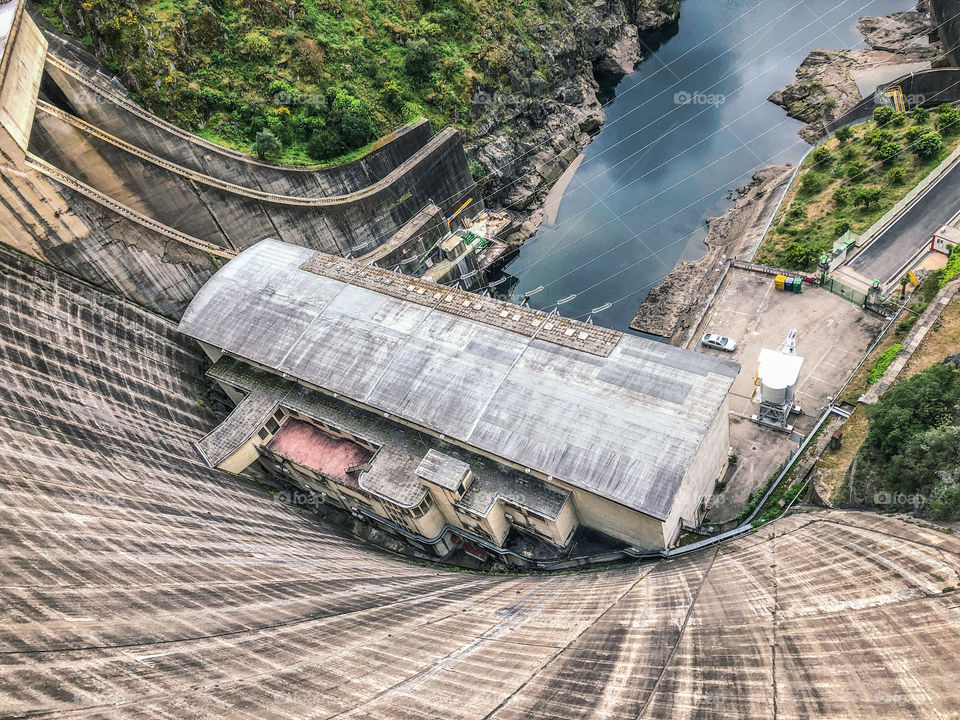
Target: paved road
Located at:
point(893, 247)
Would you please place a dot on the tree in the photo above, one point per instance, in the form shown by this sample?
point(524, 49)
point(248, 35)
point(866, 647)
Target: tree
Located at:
point(843, 134)
point(419, 60)
point(822, 157)
point(920, 115)
point(841, 196)
point(266, 144)
point(928, 145)
point(882, 115)
point(865, 197)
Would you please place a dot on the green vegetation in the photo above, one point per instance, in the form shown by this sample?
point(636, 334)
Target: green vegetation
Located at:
point(951, 269)
point(882, 363)
point(851, 180)
point(913, 444)
point(324, 77)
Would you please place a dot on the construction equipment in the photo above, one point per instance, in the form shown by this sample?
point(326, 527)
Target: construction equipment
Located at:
point(896, 96)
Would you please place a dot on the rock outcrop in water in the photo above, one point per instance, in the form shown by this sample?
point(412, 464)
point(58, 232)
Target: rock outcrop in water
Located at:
point(825, 86)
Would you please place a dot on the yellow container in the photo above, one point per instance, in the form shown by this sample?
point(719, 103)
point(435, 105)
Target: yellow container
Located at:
point(779, 281)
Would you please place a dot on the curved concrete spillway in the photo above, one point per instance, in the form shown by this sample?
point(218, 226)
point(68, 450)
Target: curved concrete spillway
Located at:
point(136, 582)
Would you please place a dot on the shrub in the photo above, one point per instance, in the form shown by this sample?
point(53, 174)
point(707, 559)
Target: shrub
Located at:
point(811, 183)
point(841, 196)
point(883, 114)
point(899, 119)
point(896, 176)
point(822, 157)
point(850, 153)
point(266, 144)
point(948, 119)
point(913, 133)
point(882, 363)
point(841, 227)
point(928, 145)
point(843, 134)
point(392, 96)
point(951, 269)
point(888, 152)
point(878, 137)
point(798, 211)
point(920, 115)
point(256, 44)
point(856, 170)
point(325, 144)
point(865, 197)
point(419, 60)
point(353, 118)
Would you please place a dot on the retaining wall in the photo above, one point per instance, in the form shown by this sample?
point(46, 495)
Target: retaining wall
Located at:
point(232, 216)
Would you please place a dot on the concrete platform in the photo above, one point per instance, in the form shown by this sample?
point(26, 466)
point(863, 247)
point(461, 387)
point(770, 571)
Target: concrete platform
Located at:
point(832, 335)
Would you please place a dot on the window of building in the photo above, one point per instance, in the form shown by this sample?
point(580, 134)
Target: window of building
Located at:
point(263, 434)
point(278, 415)
point(423, 508)
point(272, 425)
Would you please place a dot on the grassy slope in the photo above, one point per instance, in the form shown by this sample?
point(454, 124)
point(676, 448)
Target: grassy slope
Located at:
point(232, 67)
point(808, 223)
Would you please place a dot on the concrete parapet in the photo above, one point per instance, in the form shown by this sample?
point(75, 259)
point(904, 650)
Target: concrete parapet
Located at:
point(22, 52)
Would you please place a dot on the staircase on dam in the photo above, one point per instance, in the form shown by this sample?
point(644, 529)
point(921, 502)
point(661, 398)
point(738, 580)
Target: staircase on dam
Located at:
point(94, 184)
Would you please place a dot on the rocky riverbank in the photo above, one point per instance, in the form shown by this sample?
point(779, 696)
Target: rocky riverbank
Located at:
point(672, 305)
point(828, 83)
point(523, 137)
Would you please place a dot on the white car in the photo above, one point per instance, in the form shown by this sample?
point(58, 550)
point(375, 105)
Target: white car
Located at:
point(719, 342)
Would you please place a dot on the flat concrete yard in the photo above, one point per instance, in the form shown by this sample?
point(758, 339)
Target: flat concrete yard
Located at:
point(832, 335)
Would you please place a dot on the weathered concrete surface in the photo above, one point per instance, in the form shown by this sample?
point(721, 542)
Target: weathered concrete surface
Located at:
point(833, 334)
point(22, 49)
point(236, 216)
point(139, 583)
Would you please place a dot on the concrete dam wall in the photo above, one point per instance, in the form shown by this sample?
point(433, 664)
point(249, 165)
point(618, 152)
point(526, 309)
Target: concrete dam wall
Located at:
point(152, 224)
point(235, 217)
point(137, 582)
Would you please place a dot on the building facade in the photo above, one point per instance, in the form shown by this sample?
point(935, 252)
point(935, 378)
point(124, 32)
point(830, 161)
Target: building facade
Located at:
point(454, 420)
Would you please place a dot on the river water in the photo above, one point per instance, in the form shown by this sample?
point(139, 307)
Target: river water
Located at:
point(690, 125)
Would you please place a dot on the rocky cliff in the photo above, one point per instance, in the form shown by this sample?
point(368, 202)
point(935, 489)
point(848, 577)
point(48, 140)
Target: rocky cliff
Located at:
point(525, 135)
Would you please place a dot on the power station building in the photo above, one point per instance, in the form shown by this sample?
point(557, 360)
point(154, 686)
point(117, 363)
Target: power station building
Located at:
point(452, 419)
